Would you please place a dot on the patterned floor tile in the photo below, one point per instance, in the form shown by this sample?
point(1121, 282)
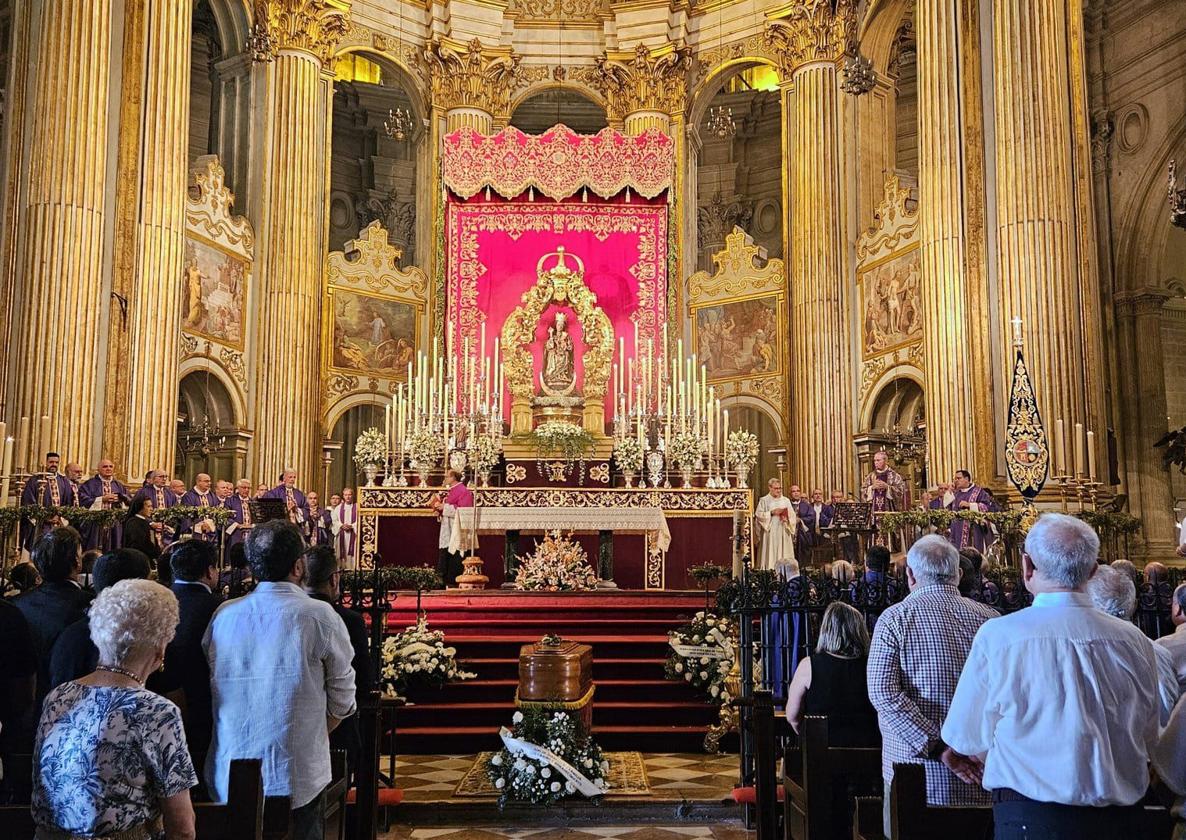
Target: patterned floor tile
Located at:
point(620, 832)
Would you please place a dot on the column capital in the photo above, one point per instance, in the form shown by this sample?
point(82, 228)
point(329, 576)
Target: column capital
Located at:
point(312, 26)
point(811, 31)
point(1147, 300)
point(653, 81)
point(470, 76)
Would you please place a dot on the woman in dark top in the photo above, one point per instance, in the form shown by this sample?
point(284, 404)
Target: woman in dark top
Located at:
point(138, 532)
point(832, 681)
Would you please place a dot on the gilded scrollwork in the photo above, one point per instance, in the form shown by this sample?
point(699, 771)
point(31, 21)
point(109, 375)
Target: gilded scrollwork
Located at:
point(644, 80)
point(208, 209)
point(737, 271)
point(314, 26)
point(232, 361)
point(371, 261)
point(814, 30)
point(1027, 453)
point(339, 385)
point(472, 76)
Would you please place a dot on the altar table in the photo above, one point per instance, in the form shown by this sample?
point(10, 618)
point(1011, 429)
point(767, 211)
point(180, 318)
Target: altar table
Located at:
point(679, 528)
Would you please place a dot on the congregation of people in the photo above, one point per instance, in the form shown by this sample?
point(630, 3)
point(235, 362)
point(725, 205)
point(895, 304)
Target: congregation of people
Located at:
point(1056, 716)
point(134, 693)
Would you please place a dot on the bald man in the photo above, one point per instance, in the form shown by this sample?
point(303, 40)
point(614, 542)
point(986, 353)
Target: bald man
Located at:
point(103, 492)
point(201, 496)
point(294, 499)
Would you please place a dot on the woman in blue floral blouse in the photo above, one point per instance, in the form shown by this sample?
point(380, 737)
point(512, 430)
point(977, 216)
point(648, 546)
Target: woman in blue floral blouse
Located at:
point(110, 758)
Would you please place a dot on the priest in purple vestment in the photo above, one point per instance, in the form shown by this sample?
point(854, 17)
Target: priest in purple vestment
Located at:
point(967, 496)
point(297, 504)
point(46, 489)
point(313, 531)
point(239, 504)
point(804, 527)
point(200, 496)
point(344, 528)
point(884, 487)
point(103, 492)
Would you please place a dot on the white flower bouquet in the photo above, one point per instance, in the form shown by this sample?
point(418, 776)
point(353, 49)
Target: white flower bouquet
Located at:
point(520, 778)
point(419, 658)
point(741, 449)
point(559, 438)
point(425, 448)
point(558, 564)
point(685, 449)
point(702, 654)
point(483, 452)
point(628, 453)
point(370, 449)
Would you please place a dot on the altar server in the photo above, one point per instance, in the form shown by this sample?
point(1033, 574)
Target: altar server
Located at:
point(47, 489)
point(294, 499)
point(344, 527)
point(201, 496)
point(103, 492)
point(777, 522)
point(967, 496)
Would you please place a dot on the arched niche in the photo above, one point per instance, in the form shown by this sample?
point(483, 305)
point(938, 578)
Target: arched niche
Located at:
point(378, 168)
point(546, 105)
point(895, 420)
point(756, 416)
point(350, 418)
point(209, 437)
point(729, 177)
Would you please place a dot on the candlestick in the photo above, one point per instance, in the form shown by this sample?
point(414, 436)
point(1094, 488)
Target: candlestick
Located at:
point(7, 471)
point(1060, 448)
point(43, 442)
point(1091, 455)
point(1080, 450)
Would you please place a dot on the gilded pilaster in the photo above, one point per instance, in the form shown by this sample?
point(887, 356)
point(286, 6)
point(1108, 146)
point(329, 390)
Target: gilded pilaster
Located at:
point(62, 249)
point(148, 363)
point(1042, 279)
point(296, 38)
point(644, 88)
point(813, 40)
point(951, 399)
point(471, 84)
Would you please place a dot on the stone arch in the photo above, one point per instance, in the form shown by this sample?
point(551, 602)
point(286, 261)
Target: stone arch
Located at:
point(338, 410)
point(879, 29)
point(768, 429)
point(716, 76)
point(197, 365)
point(1145, 229)
point(343, 422)
point(410, 82)
point(881, 397)
point(535, 89)
point(233, 18)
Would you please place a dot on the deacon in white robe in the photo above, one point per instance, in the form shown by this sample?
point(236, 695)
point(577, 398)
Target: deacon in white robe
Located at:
point(777, 523)
point(343, 520)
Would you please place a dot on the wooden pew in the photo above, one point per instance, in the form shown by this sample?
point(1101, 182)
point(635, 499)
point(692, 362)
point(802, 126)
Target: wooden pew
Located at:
point(867, 818)
point(816, 780)
point(913, 819)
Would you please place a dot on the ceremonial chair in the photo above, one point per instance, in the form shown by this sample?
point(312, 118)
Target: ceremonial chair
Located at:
point(817, 779)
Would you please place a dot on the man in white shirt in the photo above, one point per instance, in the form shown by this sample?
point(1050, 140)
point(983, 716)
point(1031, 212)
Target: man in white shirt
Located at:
point(1175, 643)
point(278, 697)
point(1056, 709)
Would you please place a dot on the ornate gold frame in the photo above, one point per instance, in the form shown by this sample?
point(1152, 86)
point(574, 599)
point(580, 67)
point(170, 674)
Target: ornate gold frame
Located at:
point(328, 333)
point(861, 272)
point(780, 307)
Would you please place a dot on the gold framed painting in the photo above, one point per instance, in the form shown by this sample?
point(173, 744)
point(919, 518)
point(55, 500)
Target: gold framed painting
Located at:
point(214, 292)
point(891, 302)
point(371, 334)
point(740, 338)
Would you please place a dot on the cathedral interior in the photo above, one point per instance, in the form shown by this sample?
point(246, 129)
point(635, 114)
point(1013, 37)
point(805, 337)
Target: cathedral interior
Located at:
point(183, 182)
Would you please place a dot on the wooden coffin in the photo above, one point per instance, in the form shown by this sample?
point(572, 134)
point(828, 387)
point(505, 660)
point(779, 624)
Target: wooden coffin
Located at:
point(555, 671)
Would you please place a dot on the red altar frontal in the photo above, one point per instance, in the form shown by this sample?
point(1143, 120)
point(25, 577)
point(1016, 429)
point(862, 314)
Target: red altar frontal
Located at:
point(398, 527)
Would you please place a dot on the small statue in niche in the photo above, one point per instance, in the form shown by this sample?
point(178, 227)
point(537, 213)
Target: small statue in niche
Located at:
point(558, 378)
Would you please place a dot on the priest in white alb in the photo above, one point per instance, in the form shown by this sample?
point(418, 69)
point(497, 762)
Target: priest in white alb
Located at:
point(776, 525)
point(343, 519)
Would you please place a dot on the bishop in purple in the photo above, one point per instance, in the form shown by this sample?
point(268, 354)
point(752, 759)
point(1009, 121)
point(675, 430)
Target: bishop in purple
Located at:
point(884, 487)
point(297, 504)
point(967, 496)
point(47, 489)
point(103, 492)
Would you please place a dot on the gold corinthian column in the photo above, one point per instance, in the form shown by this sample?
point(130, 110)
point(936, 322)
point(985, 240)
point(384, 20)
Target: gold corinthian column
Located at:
point(812, 40)
point(154, 317)
point(945, 275)
point(61, 270)
point(1043, 278)
point(296, 38)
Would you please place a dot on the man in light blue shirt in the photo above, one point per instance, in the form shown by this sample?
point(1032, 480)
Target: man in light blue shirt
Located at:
point(1056, 711)
point(280, 680)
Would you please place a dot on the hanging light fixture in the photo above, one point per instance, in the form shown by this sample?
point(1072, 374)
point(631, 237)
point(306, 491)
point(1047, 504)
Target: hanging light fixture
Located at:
point(398, 124)
point(1177, 197)
point(720, 117)
point(207, 439)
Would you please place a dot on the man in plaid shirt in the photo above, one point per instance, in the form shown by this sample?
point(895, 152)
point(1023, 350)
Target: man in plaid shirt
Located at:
point(918, 651)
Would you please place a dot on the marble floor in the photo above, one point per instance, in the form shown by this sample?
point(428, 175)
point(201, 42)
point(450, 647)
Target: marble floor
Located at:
point(672, 776)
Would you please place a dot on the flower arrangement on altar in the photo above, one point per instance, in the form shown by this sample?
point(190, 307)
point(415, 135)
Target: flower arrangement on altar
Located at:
point(547, 756)
point(559, 438)
point(685, 449)
point(741, 450)
point(424, 449)
point(702, 654)
point(483, 453)
point(628, 454)
point(370, 449)
point(558, 564)
point(419, 658)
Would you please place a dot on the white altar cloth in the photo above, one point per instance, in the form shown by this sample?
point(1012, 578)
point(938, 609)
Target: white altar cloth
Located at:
point(646, 520)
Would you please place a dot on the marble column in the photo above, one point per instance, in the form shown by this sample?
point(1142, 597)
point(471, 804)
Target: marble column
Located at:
point(1042, 276)
point(1145, 419)
point(58, 349)
point(950, 398)
point(822, 384)
point(154, 311)
point(291, 251)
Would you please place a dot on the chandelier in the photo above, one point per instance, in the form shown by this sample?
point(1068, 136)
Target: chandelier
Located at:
point(720, 121)
point(205, 439)
point(907, 445)
point(1177, 197)
point(398, 123)
point(856, 76)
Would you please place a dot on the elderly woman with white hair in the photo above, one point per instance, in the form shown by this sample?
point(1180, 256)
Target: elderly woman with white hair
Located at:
point(110, 758)
point(1112, 591)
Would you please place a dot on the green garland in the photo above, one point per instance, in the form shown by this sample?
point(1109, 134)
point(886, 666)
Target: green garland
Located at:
point(1108, 523)
point(171, 516)
point(393, 578)
point(1010, 523)
point(708, 573)
point(77, 517)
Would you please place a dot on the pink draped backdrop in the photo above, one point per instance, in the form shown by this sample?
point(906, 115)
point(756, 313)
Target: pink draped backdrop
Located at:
point(494, 247)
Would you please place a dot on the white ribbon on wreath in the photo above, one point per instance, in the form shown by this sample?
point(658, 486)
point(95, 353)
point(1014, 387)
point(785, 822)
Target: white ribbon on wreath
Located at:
point(537, 753)
point(698, 651)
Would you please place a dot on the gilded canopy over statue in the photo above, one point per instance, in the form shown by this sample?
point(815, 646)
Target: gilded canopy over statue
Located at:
point(564, 285)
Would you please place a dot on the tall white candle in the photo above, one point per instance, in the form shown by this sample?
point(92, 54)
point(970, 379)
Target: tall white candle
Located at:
point(22, 440)
point(1091, 455)
point(725, 430)
point(1060, 448)
point(44, 444)
point(1080, 450)
point(449, 339)
point(7, 471)
point(482, 341)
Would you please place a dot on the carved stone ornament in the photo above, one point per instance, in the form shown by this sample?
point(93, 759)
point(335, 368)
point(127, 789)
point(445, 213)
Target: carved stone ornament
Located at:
point(644, 80)
point(568, 12)
point(814, 30)
point(718, 217)
point(370, 261)
point(471, 76)
point(895, 222)
point(314, 26)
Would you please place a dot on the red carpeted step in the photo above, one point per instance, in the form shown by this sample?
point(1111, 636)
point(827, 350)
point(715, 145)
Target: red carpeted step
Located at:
point(611, 713)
